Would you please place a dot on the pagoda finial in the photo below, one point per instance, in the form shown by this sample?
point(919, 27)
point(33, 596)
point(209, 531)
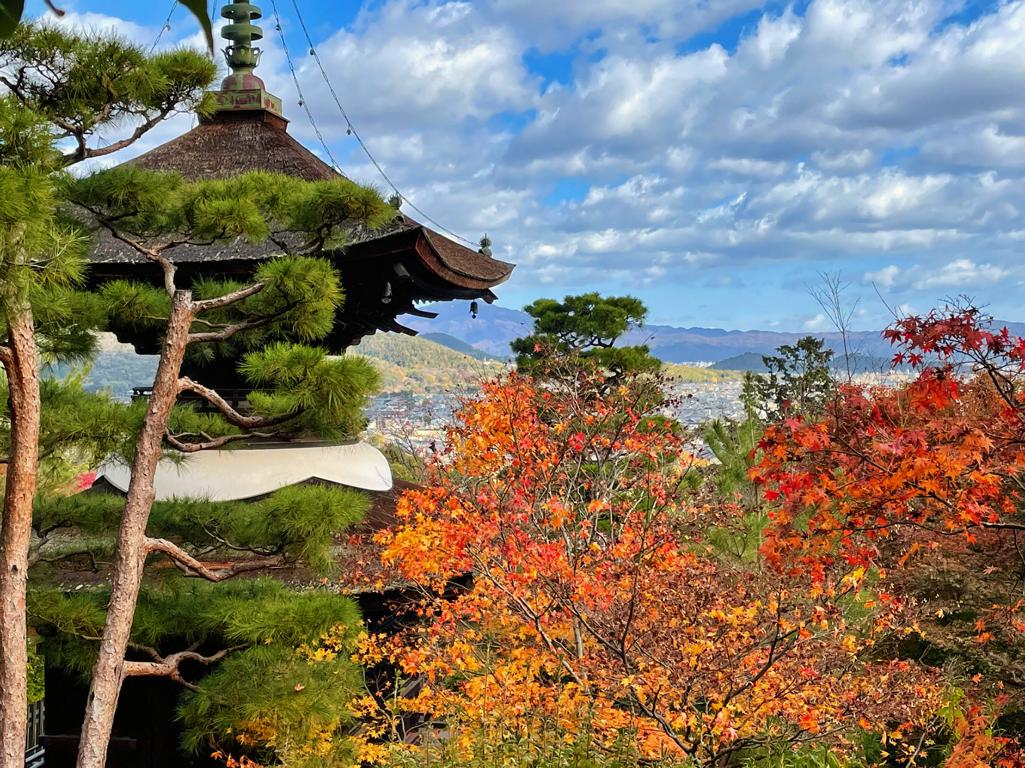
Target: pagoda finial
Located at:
point(243, 94)
point(241, 33)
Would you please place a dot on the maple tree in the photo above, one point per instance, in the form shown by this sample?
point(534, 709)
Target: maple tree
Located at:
point(922, 482)
point(941, 454)
point(568, 593)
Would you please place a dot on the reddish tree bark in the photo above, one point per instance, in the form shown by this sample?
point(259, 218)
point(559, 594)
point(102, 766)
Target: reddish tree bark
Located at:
point(20, 360)
point(109, 671)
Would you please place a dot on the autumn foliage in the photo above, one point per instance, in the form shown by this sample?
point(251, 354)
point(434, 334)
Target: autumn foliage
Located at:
point(889, 471)
point(923, 484)
point(567, 589)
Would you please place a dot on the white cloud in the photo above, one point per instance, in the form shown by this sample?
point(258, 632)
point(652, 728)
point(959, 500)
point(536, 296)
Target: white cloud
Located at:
point(960, 273)
point(817, 323)
point(885, 277)
point(855, 131)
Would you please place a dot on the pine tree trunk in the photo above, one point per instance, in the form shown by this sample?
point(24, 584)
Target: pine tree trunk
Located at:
point(21, 364)
point(108, 674)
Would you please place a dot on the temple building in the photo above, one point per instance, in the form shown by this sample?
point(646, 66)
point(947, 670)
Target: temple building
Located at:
point(385, 274)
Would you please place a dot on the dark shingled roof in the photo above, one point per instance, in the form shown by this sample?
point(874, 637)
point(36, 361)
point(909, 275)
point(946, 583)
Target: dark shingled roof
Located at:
point(219, 149)
point(385, 272)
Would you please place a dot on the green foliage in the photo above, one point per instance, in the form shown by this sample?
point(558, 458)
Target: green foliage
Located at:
point(414, 364)
point(26, 216)
point(254, 612)
point(77, 430)
point(54, 71)
point(41, 254)
point(299, 522)
point(300, 297)
point(154, 204)
point(320, 395)
point(733, 444)
point(692, 374)
point(272, 680)
point(10, 15)
point(798, 382)
point(405, 464)
point(295, 699)
point(26, 137)
point(585, 328)
point(12, 10)
point(36, 673)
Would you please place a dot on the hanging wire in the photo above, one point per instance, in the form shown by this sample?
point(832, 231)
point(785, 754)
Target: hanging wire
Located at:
point(298, 88)
point(351, 129)
point(165, 27)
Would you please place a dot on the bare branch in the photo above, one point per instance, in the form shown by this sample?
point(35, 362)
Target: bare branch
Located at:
point(186, 384)
point(190, 566)
point(214, 444)
point(153, 254)
point(170, 666)
point(83, 152)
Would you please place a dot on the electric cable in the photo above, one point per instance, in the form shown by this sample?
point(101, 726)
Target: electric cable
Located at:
point(351, 130)
point(298, 88)
point(166, 26)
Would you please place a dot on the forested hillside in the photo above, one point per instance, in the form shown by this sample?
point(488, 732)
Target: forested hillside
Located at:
point(413, 364)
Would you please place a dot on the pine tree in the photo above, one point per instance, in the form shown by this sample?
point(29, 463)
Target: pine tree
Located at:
point(584, 329)
point(53, 94)
point(798, 381)
point(271, 321)
point(11, 14)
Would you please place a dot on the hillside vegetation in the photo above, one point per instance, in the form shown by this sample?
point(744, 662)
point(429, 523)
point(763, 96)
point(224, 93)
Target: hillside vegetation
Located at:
point(693, 374)
point(413, 364)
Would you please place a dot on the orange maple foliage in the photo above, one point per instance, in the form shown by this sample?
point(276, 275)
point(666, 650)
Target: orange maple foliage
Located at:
point(914, 477)
point(890, 471)
point(566, 584)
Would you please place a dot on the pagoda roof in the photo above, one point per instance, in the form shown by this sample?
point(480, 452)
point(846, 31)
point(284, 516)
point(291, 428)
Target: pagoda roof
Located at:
point(385, 271)
point(229, 145)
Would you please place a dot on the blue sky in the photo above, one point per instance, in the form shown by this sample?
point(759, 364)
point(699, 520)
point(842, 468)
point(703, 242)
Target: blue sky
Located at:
point(710, 156)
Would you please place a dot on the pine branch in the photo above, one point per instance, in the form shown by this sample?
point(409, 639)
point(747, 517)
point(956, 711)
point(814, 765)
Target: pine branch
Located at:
point(212, 444)
point(228, 331)
point(190, 566)
point(153, 254)
point(229, 298)
point(169, 666)
point(6, 357)
point(83, 152)
point(186, 384)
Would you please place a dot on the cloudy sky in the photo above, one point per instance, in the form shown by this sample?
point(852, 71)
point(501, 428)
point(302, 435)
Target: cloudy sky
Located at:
point(709, 156)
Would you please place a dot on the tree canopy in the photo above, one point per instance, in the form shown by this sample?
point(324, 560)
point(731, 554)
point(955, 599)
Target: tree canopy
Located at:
point(586, 329)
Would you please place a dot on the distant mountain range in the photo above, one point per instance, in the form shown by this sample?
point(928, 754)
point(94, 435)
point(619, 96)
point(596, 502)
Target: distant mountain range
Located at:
point(420, 364)
point(455, 350)
point(495, 327)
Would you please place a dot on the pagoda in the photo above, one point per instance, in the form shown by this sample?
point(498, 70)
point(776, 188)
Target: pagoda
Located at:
point(384, 273)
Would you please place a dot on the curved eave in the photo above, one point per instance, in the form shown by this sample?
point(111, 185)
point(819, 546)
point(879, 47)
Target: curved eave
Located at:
point(448, 261)
point(251, 473)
